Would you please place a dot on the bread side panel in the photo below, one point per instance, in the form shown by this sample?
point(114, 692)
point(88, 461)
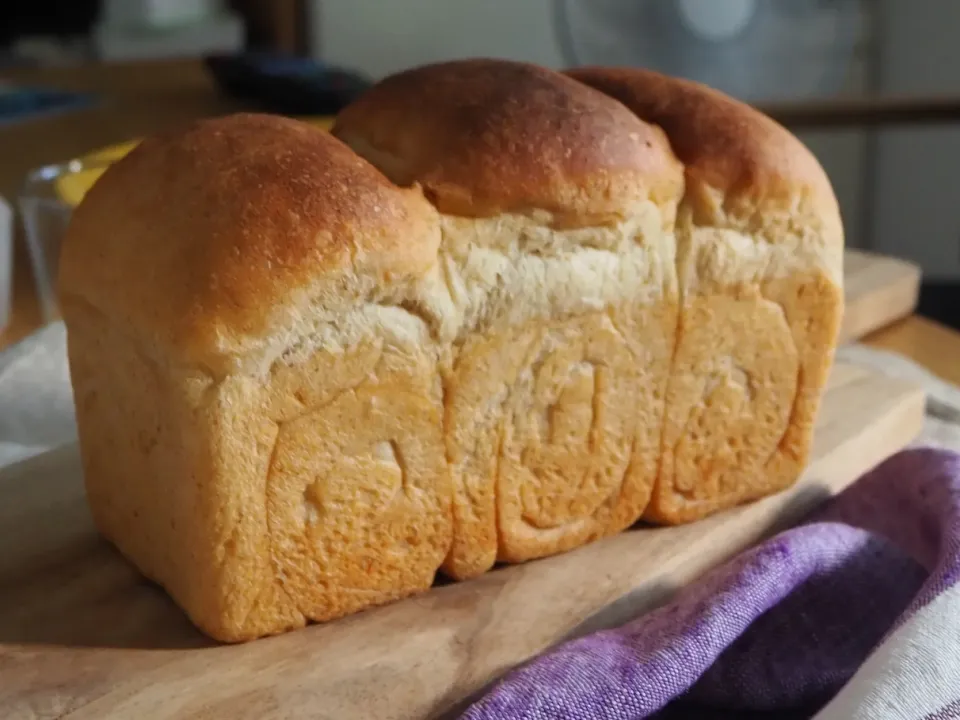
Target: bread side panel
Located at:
point(143, 440)
point(560, 348)
point(762, 303)
point(580, 434)
point(338, 473)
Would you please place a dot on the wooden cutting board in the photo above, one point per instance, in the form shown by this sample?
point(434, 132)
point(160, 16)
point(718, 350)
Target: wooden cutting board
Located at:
point(878, 290)
point(82, 636)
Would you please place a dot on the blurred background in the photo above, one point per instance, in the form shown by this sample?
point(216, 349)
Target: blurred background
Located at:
point(872, 86)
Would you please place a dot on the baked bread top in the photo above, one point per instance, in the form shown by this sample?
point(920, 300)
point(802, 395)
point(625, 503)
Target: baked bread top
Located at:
point(227, 241)
point(484, 137)
point(215, 238)
point(751, 162)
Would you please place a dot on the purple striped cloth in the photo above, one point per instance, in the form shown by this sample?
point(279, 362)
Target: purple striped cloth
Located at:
point(853, 614)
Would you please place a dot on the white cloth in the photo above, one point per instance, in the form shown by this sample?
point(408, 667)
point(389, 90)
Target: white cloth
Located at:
point(36, 403)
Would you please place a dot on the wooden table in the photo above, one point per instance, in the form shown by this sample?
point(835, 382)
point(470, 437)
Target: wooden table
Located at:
point(928, 343)
point(140, 98)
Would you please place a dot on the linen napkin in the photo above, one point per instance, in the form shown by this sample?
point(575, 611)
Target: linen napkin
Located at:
point(863, 596)
point(854, 613)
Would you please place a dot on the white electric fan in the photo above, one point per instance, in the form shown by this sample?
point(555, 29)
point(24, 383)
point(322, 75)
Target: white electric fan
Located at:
point(756, 50)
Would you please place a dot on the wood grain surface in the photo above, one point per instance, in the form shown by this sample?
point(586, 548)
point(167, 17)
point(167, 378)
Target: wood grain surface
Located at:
point(934, 346)
point(878, 290)
point(82, 636)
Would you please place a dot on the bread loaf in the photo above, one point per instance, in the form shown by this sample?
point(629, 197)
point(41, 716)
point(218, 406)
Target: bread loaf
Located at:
point(500, 312)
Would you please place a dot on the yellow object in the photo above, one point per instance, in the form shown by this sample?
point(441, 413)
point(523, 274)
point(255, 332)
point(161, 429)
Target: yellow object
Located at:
point(72, 186)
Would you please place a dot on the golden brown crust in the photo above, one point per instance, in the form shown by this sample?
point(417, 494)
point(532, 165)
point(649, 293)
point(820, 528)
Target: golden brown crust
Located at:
point(490, 136)
point(723, 143)
point(317, 398)
point(233, 220)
